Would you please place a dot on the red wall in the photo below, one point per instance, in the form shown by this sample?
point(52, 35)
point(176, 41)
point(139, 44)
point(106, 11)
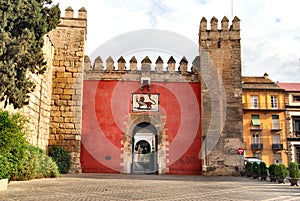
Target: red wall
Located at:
point(106, 105)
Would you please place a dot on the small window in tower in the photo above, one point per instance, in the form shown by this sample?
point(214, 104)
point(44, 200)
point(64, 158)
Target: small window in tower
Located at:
point(145, 82)
point(219, 44)
point(296, 98)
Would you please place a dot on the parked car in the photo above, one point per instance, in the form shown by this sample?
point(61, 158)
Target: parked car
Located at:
point(252, 160)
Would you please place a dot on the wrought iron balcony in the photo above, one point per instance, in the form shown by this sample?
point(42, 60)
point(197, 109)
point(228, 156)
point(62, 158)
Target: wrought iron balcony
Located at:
point(257, 146)
point(277, 146)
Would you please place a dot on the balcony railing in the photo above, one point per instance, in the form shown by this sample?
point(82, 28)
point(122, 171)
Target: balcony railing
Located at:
point(277, 146)
point(257, 146)
point(256, 128)
point(263, 106)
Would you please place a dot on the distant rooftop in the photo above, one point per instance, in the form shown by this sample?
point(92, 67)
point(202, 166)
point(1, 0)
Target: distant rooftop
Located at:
point(259, 82)
point(290, 86)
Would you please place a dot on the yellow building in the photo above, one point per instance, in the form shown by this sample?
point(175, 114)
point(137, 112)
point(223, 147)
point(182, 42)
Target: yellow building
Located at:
point(264, 120)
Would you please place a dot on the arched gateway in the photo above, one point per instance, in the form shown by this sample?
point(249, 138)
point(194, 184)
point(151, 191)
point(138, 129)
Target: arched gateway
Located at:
point(144, 149)
point(98, 112)
point(141, 121)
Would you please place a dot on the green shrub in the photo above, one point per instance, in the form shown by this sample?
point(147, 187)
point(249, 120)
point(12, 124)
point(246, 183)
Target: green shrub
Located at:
point(262, 168)
point(293, 170)
point(263, 171)
point(248, 168)
point(18, 159)
point(272, 169)
point(255, 170)
point(27, 167)
point(281, 171)
point(62, 158)
point(12, 134)
point(47, 167)
point(36, 164)
point(12, 140)
point(5, 167)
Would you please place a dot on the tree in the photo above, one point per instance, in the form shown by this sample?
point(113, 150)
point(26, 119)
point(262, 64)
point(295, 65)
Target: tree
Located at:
point(22, 28)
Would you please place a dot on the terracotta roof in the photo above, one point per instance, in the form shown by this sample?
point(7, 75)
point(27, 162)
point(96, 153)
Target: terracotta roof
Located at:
point(253, 80)
point(262, 82)
point(292, 86)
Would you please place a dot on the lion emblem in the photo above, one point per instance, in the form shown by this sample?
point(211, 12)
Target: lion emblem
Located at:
point(143, 104)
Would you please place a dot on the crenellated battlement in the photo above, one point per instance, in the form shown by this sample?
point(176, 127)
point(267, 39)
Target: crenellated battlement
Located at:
point(69, 13)
point(69, 20)
point(160, 72)
point(225, 33)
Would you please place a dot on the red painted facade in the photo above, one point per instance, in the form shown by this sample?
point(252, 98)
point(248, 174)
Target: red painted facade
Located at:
point(106, 105)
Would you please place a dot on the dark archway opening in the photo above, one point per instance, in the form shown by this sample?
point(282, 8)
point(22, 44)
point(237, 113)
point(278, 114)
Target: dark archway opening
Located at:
point(144, 149)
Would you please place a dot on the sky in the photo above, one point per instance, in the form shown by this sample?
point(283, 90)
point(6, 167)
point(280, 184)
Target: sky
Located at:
point(270, 29)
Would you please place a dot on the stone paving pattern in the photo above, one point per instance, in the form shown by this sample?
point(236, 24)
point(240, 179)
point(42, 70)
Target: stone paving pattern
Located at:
point(85, 187)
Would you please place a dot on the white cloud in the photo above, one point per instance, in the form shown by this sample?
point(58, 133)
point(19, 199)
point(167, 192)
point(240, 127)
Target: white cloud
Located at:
point(270, 29)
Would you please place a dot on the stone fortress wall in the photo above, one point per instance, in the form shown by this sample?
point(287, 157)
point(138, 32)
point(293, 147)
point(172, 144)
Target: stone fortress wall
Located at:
point(55, 108)
point(38, 109)
point(220, 53)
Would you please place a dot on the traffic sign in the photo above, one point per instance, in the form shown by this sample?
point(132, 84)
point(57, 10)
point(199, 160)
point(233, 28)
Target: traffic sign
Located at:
point(240, 150)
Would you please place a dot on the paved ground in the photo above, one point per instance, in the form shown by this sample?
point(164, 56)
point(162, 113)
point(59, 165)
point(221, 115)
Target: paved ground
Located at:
point(148, 187)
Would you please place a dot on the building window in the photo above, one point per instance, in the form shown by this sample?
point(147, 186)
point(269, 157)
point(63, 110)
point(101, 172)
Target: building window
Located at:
point(297, 154)
point(296, 98)
point(274, 103)
point(254, 102)
point(257, 155)
point(296, 124)
point(276, 139)
point(255, 122)
point(275, 122)
point(277, 158)
point(255, 139)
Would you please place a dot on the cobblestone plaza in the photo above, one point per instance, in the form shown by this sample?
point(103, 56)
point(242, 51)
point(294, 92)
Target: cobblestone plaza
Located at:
point(148, 187)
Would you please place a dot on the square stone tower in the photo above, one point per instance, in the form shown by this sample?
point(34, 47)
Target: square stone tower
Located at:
point(220, 62)
point(66, 103)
